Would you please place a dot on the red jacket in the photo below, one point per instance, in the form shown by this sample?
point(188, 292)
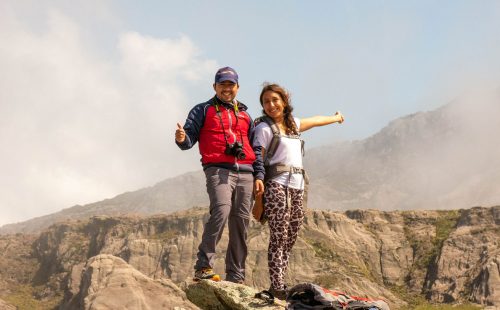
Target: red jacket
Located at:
point(204, 126)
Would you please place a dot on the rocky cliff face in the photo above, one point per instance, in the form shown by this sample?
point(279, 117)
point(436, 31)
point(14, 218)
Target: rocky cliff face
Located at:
point(469, 261)
point(108, 282)
point(445, 256)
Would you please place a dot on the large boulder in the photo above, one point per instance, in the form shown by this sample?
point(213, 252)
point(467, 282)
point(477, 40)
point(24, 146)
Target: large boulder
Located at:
point(225, 295)
point(108, 282)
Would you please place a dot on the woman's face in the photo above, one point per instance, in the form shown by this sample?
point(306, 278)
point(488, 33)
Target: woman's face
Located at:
point(273, 105)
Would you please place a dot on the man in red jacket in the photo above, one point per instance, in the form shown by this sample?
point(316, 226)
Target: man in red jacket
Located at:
point(224, 132)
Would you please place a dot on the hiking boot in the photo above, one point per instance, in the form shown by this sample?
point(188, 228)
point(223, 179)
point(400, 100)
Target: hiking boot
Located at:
point(206, 274)
point(280, 294)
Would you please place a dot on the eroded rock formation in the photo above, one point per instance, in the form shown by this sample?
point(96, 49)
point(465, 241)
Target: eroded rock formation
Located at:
point(445, 256)
point(108, 282)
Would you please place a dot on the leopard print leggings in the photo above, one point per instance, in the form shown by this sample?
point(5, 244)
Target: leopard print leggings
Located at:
point(284, 224)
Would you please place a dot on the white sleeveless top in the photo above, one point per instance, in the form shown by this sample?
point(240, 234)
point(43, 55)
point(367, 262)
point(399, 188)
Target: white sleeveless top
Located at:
point(289, 152)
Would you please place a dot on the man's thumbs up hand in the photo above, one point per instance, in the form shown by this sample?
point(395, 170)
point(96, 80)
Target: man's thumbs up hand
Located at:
point(180, 134)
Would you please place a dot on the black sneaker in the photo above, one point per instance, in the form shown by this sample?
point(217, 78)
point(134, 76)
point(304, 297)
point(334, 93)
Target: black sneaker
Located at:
point(206, 274)
point(280, 294)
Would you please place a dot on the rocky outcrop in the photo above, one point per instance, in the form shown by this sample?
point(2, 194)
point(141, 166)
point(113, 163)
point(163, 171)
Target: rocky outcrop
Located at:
point(227, 295)
point(16, 264)
point(108, 282)
point(6, 306)
point(399, 256)
point(469, 261)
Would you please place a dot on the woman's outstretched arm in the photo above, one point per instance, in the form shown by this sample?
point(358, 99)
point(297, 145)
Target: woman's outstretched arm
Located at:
point(315, 121)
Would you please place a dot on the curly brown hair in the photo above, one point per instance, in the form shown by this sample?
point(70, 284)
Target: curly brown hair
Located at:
point(291, 127)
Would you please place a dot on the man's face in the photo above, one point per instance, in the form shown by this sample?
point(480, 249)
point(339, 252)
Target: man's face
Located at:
point(226, 91)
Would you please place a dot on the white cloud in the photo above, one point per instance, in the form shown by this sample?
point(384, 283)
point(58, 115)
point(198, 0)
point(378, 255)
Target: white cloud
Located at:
point(76, 127)
point(170, 58)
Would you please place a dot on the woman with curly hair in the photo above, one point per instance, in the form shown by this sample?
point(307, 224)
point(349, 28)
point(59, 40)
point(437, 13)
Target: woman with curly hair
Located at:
point(282, 186)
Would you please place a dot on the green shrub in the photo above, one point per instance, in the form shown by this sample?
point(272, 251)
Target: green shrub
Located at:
point(23, 298)
point(166, 235)
point(322, 250)
point(428, 306)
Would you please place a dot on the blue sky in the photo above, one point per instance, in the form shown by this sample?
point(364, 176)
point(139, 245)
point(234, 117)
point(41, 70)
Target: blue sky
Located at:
point(373, 60)
point(90, 91)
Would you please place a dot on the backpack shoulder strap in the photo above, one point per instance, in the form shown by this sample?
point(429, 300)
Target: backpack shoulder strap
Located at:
point(275, 140)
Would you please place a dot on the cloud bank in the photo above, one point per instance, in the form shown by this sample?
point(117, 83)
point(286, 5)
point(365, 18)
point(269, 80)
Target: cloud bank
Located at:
point(77, 126)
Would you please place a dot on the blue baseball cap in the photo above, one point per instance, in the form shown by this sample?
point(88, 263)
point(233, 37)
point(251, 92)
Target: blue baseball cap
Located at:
point(226, 74)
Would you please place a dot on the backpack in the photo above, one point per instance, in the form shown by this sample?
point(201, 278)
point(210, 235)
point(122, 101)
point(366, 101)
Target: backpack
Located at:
point(276, 169)
point(275, 140)
point(312, 296)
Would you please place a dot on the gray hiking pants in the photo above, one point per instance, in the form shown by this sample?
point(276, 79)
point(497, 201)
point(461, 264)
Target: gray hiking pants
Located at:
point(230, 194)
